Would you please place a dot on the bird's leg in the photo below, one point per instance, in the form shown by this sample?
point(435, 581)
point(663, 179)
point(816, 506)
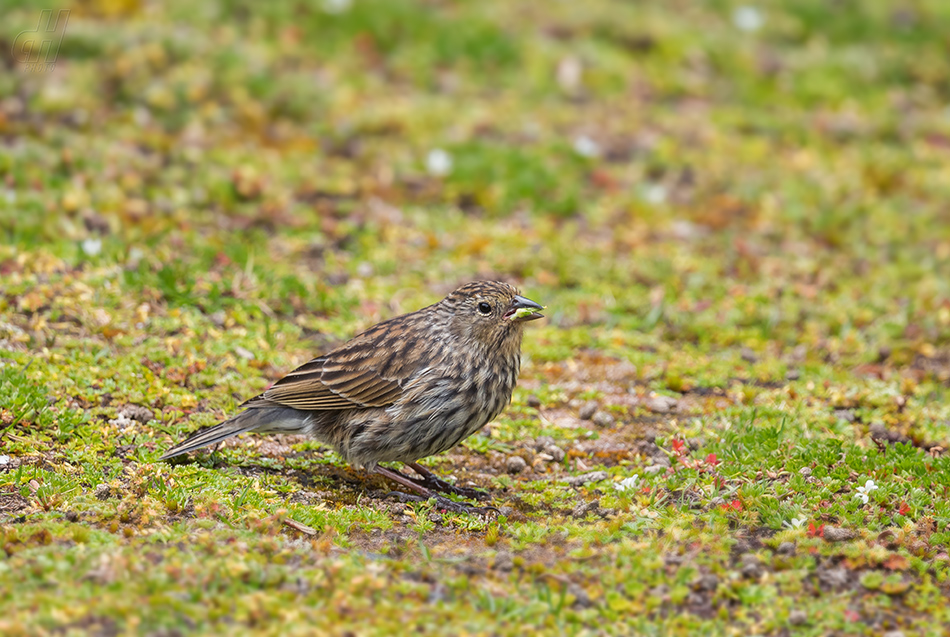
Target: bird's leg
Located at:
point(426, 494)
point(436, 483)
point(405, 481)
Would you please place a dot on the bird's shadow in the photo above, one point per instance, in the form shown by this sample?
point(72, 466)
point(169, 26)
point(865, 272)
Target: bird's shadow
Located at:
point(346, 481)
point(320, 475)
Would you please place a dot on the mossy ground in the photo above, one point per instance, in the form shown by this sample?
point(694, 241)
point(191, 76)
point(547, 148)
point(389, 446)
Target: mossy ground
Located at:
point(736, 214)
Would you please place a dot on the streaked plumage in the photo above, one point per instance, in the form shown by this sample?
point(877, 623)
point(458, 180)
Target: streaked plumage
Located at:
point(407, 388)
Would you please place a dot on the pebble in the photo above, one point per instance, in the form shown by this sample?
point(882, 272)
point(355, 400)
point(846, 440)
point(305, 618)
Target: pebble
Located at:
point(707, 582)
point(786, 548)
point(557, 454)
point(878, 430)
point(584, 508)
point(660, 404)
point(587, 410)
point(515, 464)
point(797, 617)
point(837, 534)
point(654, 469)
point(534, 401)
point(833, 577)
point(136, 412)
point(603, 419)
point(805, 471)
point(543, 442)
point(548, 450)
point(750, 566)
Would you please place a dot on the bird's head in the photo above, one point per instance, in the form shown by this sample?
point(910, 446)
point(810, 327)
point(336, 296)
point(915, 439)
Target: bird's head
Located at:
point(490, 313)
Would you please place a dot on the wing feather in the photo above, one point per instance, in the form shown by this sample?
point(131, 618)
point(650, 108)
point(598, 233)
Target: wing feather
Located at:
point(361, 373)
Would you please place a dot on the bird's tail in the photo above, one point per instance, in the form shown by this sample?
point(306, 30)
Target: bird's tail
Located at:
point(260, 419)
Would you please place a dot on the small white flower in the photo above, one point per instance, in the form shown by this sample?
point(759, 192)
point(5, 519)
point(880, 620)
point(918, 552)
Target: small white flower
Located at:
point(864, 492)
point(627, 483)
point(438, 162)
point(797, 523)
point(92, 246)
point(748, 18)
point(585, 146)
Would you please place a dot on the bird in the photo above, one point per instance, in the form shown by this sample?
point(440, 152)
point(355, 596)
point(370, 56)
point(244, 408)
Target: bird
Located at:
point(407, 388)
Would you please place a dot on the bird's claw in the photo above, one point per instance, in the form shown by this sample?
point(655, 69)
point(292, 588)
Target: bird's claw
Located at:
point(437, 484)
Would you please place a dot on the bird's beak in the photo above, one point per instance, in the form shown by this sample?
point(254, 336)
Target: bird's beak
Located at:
point(520, 310)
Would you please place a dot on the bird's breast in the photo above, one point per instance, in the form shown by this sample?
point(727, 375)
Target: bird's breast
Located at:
point(445, 404)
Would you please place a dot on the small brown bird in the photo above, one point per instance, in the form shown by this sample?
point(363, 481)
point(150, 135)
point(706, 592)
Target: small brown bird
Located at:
point(407, 388)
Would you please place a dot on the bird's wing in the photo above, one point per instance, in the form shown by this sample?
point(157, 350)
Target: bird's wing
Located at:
point(361, 373)
point(328, 384)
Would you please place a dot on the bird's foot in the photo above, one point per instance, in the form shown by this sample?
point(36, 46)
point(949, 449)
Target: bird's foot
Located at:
point(444, 504)
point(423, 494)
point(434, 483)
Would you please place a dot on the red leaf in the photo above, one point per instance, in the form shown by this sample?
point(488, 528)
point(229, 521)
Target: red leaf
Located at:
point(735, 505)
point(712, 460)
point(904, 509)
point(816, 531)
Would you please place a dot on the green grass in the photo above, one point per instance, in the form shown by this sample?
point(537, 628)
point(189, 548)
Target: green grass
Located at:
point(741, 237)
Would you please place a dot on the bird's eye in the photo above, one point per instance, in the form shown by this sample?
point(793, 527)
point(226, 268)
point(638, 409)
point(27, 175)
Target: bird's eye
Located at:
point(484, 308)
